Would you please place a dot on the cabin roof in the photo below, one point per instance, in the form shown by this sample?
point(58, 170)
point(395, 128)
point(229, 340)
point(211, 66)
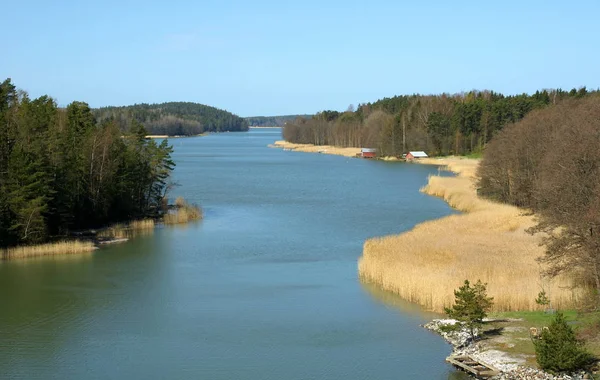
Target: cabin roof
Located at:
point(419, 154)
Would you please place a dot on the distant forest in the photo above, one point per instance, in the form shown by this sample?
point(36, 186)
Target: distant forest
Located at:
point(173, 119)
point(438, 124)
point(273, 121)
point(62, 170)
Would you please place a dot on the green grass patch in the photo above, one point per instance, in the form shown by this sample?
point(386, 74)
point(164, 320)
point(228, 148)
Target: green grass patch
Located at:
point(509, 332)
point(535, 317)
point(474, 155)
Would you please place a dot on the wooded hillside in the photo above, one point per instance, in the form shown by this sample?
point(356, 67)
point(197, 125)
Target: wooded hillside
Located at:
point(173, 119)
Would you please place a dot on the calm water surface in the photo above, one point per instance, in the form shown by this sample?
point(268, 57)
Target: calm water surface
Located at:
point(264, 288)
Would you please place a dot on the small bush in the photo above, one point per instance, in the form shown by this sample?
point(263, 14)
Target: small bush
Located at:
point(542, 299)
point(183, 213)
point(125, 231)
point(559, 350)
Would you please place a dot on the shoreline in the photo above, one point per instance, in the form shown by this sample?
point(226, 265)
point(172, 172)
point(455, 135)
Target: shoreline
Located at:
point(81, 242)
point(500, 223)
point(511, 367)
point(502, 229)
point(431, 256)
point(327, 149)
point(68, 247)
point(174, 136)
point(487, 241)
point(310, 148)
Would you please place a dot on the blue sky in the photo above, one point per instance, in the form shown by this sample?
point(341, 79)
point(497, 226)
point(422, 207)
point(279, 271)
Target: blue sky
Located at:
point(275, 57)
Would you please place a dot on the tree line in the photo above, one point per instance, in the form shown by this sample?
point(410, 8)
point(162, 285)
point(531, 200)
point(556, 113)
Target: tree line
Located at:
point(173, 119)
point(438, 124)
point(273, 121)
point(63, 170)
point(550, 163)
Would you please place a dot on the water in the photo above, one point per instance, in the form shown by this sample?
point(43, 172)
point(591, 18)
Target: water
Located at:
point(264, 288)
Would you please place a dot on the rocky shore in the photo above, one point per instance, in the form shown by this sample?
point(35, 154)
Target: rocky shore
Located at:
point(512, 368)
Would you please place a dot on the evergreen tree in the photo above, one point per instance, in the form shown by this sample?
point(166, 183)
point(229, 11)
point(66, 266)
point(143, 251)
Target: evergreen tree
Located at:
point(28, 193)
point(60, 170)
point(558, 349)
point(8, 100)
point(471, 305)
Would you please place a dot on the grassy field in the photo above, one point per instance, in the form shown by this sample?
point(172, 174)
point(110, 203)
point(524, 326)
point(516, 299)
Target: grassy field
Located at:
point(487, 242)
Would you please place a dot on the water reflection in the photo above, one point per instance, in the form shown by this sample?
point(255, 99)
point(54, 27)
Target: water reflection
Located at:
point(394, 301)
point(70, 257)
point(48, 302)
point(458, 375)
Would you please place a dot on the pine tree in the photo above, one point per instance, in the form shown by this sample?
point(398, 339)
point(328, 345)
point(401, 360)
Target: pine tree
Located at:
point(8, 101)
point(28, 193)
point(470, 306)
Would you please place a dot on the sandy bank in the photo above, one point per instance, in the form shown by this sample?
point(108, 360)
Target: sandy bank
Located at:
point(487, 242)
point(310, 148)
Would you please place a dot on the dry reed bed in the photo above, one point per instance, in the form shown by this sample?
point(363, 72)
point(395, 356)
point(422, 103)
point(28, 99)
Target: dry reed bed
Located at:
point(70, 247)
point(51, 249)
point(183, 213)
point(310, 148)
point(488, 242)
point(127, 230)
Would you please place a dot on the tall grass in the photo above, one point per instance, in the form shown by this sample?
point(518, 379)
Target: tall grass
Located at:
point(142, 224)
point(183, 213)
point(51, 249)
point(488, 242)
point(127, 230)
point(116, 231)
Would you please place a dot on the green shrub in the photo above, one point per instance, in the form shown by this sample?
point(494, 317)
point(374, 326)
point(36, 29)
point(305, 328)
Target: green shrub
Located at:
point(558, 349)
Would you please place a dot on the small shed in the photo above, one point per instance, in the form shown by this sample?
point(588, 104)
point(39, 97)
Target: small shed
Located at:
point(368, 153)
point(415, 155)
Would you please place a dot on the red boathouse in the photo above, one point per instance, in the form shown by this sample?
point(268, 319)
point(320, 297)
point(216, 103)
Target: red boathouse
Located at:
point(368, 153)
point(415, 155)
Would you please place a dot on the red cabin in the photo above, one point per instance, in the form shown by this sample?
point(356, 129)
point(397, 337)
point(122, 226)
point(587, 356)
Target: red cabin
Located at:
point(368, 153)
